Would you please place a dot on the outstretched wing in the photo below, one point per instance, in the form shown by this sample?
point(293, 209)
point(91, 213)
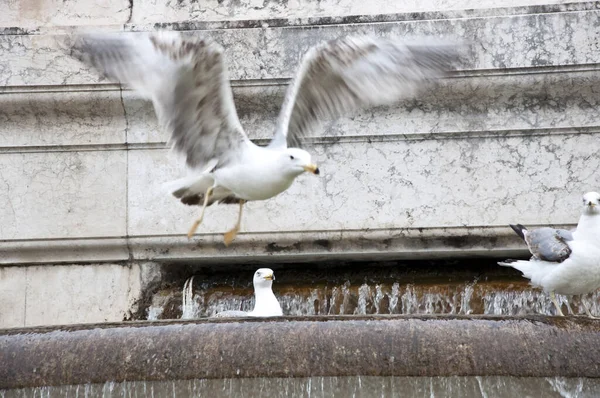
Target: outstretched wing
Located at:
point(186, 80)
point(548, 244)
point(343, 75)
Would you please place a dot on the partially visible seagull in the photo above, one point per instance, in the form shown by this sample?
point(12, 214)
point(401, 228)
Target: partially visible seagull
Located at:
point(564, 262)
point(186, 79)
point(265, 302)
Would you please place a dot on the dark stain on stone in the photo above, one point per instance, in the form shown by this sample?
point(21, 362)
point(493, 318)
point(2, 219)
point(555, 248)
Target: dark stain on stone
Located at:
point(275, 248)
point(456, 241)
point(324, 243)
point(13, 30)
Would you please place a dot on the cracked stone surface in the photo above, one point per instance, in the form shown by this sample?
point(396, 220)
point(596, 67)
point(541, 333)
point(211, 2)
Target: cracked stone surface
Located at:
point(152, 11)
point(88, 293)
point(507, 41)
point(34, 13)
point(62, 194)
point(396, 184)
point(73, 293)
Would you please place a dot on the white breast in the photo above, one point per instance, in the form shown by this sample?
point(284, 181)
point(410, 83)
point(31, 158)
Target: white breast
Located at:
point(258, 176)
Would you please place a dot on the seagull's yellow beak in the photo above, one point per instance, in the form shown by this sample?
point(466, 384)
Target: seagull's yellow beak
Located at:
point(312, 168)
point(270, 277)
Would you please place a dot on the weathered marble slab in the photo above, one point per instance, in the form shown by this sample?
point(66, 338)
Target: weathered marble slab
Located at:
point(34, 13)
point(62, 194)
point(544, 38)
point(87, 293)
point(146, 11)
point(49, 118)
point(12, 296)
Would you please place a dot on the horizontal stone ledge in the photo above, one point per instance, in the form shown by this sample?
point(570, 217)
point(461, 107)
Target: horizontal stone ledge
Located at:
point(89, 118)
point(301, 347)
point(270, 247)
point(322, 140)
point(285, 81)
point(367, 18)
point(324, 20)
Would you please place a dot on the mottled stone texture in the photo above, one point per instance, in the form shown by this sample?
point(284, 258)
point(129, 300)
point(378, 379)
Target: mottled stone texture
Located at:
point(74, 293)
point(302, 347)
point(34, 13)
point(512, 137)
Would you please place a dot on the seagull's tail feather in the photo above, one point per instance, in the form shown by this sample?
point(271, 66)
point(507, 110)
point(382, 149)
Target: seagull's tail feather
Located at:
point(191, 190)
point(178, 187)
point(519, 229)
point(532, 270)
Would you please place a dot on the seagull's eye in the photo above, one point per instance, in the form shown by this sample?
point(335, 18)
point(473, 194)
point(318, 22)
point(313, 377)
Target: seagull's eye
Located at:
point(291, 157)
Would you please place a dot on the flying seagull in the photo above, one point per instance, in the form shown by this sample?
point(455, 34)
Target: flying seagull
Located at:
point(265, 303)
point(562, 261)
point(186, 79)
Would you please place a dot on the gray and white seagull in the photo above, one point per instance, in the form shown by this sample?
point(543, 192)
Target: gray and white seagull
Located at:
point(564, 262)
point(186, 79)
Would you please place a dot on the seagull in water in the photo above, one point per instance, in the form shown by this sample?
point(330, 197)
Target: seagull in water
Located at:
point(562, 261)
point(186, 79)
point(265, 302)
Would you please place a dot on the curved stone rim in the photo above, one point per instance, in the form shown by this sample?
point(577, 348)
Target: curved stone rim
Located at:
point(300, 347)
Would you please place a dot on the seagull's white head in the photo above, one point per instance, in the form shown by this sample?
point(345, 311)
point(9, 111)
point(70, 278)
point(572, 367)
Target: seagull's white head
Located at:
point(263, 278)
point(296, 161)
point(591, 203)
point(266, 303)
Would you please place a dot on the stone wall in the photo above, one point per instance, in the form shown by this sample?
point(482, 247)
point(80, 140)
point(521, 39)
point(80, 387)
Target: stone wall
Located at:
point(512, 137)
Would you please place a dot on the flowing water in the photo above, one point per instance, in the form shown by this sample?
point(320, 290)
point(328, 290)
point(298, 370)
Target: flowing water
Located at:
point(472, 297)
point(357, 386)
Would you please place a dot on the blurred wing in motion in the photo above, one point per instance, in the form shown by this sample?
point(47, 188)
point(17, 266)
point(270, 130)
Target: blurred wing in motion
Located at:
point(343, 75)
point(186, 80)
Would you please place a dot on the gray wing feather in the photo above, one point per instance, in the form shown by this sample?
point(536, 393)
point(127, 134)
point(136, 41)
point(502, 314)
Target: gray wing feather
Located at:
point(186, 80)
point(549, 244)
point(565, 234)
point(343, 75)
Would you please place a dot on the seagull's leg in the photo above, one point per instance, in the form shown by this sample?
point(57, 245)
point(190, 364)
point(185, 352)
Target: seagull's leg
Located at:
point(558, 310)
point(569, 307)
point(587, 310)
point(199, 220)
point(230, 235)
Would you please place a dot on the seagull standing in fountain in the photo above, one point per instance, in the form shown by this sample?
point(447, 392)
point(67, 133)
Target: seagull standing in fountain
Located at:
point(564, 262)
point(265, 302)
point(186, 79)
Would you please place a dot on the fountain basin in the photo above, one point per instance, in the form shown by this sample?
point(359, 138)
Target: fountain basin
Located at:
point(377, 345)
